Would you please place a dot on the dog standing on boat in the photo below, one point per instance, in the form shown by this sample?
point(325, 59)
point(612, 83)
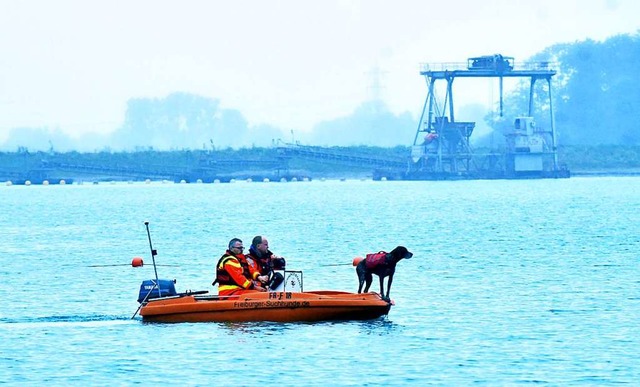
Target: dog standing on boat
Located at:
point(383, 265)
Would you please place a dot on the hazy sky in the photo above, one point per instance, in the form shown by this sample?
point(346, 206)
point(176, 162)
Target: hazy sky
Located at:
point(73, 65)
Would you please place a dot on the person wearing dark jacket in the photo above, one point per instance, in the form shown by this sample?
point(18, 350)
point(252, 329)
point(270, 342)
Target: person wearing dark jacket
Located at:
point(260, 258)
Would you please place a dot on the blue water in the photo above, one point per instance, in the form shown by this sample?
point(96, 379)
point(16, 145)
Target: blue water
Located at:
point(512, 282)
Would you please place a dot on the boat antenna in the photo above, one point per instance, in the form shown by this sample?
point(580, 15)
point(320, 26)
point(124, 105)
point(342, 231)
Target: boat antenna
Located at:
point(156, 285)
point(153, 256)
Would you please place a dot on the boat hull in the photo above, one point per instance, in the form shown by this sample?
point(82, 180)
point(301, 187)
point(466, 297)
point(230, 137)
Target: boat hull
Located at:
point(273, 306)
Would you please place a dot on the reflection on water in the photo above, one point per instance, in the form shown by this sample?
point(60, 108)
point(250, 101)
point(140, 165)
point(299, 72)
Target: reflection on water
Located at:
point(379, 327)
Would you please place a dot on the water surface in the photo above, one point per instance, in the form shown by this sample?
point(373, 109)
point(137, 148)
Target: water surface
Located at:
point(512, 282)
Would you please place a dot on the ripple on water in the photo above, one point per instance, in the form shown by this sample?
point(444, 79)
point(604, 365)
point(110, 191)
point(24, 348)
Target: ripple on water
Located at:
point(511, 282)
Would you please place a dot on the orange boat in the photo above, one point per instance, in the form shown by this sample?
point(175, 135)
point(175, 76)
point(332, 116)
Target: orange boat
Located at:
point(159, 302)
point(320, 305)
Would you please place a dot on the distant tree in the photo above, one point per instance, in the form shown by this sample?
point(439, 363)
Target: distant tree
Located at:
point(187, 121)
point(40, 139)
point(595, 91)
point(232, 131)
point(180, 120)
point(370, 124)
point(263, 135)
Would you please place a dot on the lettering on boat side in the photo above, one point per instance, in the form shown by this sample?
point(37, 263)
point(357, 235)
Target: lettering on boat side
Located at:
point(279, 295)
point(270, 304)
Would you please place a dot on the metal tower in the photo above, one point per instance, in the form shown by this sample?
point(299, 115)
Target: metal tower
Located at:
point(441, 147)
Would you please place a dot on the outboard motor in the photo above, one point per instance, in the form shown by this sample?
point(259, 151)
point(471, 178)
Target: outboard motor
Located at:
point(276, 280)
point(278, 263)
point(166, 288)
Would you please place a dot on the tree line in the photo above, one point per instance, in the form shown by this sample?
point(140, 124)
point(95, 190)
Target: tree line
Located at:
point(596, 99)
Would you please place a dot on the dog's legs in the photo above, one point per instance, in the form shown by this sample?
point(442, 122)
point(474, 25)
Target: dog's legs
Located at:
point(368, 277)
point(361, 282)
point(389, 281)
point(361, 275)
point(381, 286)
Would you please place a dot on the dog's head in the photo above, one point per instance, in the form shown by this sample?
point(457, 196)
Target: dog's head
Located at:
point(401, 252)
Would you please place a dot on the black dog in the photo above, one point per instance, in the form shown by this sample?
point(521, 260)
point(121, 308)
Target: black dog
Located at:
point(383, 265)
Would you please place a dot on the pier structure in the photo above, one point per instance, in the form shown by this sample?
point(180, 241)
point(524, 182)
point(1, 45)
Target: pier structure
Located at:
point(441, 148)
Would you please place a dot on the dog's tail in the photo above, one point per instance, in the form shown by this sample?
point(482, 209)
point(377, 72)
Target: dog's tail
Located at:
point(357, 260)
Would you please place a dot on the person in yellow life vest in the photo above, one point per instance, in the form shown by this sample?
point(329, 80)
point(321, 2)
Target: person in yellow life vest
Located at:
point(234, 275)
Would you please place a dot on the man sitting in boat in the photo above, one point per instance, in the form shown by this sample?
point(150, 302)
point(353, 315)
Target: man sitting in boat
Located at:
point(234, 275)
point(260, 258)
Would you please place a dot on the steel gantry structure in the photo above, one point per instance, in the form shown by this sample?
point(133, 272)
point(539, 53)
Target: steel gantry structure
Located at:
point(441, 148)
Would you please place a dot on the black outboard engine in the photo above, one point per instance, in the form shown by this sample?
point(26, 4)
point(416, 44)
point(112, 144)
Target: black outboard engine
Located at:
point(277, 278)
point(278, 263)
point(166, 288)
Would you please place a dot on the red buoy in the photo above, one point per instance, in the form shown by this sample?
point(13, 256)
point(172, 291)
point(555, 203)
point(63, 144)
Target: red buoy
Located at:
point(137, 262)
point(357, 260)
